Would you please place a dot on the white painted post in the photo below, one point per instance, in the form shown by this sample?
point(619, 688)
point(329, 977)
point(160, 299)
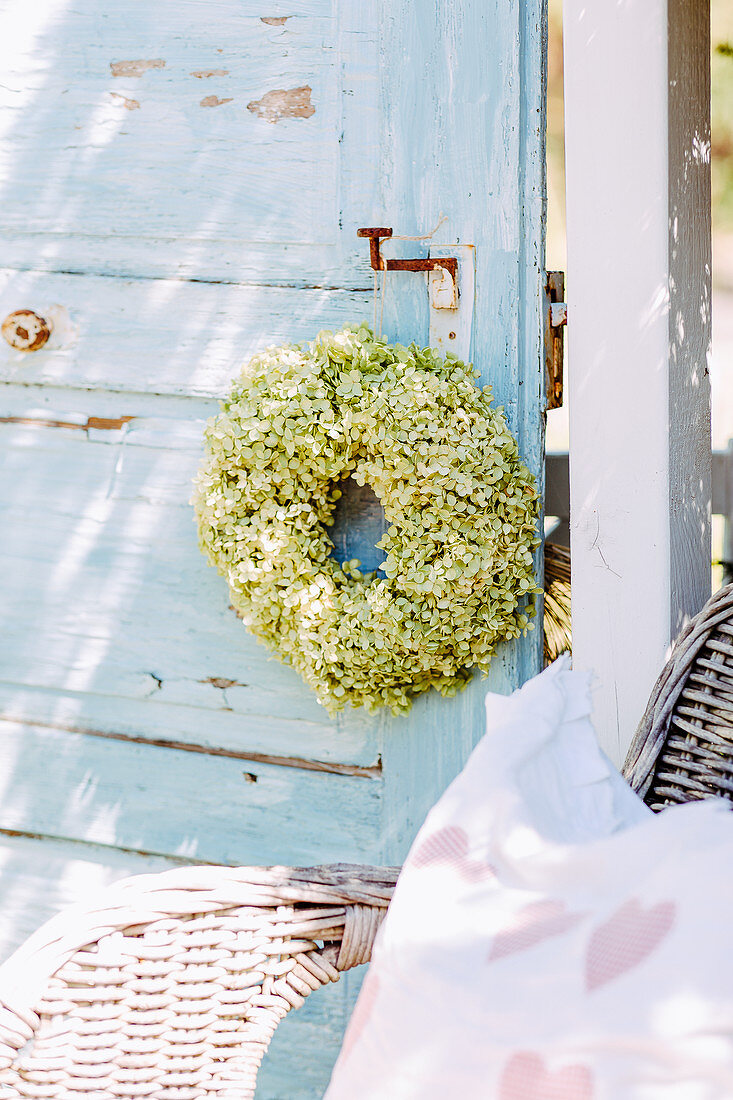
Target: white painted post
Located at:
point(637, 135)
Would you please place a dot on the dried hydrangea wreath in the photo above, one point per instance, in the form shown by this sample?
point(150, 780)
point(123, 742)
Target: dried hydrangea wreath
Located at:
point(460, 505)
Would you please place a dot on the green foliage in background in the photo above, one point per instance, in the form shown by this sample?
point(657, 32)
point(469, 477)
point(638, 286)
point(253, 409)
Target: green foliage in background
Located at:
point(722, 113)
point(461, 510)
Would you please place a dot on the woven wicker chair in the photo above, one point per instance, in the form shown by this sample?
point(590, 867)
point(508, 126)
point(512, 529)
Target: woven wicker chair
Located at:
point(683, 748)
point(172, 986)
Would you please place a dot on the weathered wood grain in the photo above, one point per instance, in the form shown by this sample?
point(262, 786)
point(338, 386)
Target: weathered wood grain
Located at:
point(638, 187)
point(103, 566)
point(164, 336)
point(44, 401)
point(690, 309)
point(152, 140)
point(358, 525)
point(465, 138)
point(166, 801)
point(295, 742)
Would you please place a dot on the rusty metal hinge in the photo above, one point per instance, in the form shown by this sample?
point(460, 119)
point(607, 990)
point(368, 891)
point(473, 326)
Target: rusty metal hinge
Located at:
point(556, 317)
point(443, 289)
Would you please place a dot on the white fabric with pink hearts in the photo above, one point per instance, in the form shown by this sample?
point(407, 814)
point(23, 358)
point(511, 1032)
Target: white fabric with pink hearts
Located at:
point(550, 938)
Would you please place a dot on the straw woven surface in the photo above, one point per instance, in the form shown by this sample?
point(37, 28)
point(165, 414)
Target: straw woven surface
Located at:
point(558, 636)
point(171, 987)
point(683, 748)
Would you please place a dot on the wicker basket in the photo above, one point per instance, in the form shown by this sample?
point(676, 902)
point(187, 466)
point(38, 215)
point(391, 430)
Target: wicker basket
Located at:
point(171, 987)
point(683, 748)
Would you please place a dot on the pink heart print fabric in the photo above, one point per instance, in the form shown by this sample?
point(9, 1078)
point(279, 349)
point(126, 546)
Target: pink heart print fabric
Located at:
point(526, 1077)
point(450, 846)
point(625, 940)
point(535, 922)
point(549, 937)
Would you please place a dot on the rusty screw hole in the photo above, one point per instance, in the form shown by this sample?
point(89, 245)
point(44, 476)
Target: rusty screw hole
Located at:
point(24, 330)
point(451, 335)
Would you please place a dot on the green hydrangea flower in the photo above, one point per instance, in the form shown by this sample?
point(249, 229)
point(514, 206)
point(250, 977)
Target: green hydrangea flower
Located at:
point(460, 506)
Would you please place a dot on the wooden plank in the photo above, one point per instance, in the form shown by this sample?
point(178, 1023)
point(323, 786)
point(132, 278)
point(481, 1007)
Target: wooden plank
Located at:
point(358, 525)
point(126, 615)
point(637, 169)
point(689, 319)
point(196, 123)
point(46, 402)
point(294, 742)
point(165, 336)
point(447, 65)
point(167, 801)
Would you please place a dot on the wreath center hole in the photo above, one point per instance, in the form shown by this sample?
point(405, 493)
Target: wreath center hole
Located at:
point(358, 524)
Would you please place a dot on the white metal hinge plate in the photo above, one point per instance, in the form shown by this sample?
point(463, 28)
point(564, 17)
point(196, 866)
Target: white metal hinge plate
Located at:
point(451, 305)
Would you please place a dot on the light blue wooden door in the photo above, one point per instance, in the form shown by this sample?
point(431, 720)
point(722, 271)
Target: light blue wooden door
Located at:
point(179, 186)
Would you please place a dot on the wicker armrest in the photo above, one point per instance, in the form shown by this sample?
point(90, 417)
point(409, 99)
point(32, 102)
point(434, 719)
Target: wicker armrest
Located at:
point(683, 748)
point(172, 985)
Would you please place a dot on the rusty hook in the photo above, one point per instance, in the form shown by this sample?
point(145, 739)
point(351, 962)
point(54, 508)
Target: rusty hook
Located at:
point(379, 263)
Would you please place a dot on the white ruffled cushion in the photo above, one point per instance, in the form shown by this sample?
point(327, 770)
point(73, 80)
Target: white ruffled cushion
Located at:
point(550, 938)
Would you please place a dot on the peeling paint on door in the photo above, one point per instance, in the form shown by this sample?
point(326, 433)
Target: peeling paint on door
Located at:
point(135, 68)
point(128, 104)
point(282, 103)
